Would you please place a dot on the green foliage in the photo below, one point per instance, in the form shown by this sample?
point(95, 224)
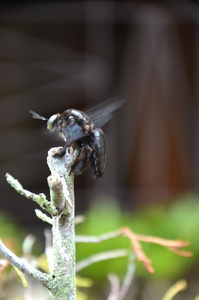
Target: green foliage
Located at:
point(104, 216)
point(8, 227)
point(10, 233)
point(82, 283)
point(178, 221)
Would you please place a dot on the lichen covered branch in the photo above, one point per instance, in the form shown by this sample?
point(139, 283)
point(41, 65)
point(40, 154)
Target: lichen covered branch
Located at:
point(43, 217)
point(61, 184)
point(39, 199)
point(61, 280)
point(23, 266)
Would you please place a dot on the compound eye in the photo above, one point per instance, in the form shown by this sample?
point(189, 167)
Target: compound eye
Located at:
point(51, 122)
point(71, 120)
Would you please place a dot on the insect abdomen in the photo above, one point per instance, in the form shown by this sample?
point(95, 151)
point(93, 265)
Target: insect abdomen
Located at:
point(98, 145)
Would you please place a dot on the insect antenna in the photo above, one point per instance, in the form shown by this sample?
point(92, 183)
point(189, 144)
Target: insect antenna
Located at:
point(37, 116)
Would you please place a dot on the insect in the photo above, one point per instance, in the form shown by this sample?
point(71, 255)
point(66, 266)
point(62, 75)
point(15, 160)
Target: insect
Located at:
point(82, 130)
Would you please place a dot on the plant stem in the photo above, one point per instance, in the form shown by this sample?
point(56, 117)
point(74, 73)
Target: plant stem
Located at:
point(62, 196)
point(61, 281)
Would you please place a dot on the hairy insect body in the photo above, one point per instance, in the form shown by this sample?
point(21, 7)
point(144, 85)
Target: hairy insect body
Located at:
point(82, 130)
point(74, 125)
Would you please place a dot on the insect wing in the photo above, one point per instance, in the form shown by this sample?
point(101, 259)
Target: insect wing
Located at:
point(103, 112)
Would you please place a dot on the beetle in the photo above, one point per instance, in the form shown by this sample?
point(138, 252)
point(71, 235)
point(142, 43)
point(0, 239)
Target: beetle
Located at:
point(82, 130)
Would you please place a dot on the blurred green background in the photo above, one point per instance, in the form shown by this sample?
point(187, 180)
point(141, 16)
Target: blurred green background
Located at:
point(176, 220)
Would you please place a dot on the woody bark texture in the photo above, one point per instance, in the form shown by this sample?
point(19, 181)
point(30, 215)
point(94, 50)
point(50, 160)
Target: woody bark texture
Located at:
point(61, 280)
point(61, 185)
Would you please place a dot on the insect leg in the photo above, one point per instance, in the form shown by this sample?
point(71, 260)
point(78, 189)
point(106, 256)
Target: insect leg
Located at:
point(61, 152)
point(83, 161)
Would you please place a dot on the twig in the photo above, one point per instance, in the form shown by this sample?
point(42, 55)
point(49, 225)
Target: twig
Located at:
point(39, 199)
point(22, 266)
point(179, 286)
point(128, 277)
point(116, 292)
point(43, 217)
point(141, 256)
point(97, 239)
point(61, 281)
point(115, 286)
point(79, 219)
point(172, 245)
point(100, 257)
point(59, 195)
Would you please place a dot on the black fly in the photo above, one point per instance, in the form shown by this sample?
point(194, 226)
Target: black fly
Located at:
point(82, 130)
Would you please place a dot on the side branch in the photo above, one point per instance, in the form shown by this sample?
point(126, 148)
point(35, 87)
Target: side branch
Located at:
point(56, 192)
point(96, 239)
point(100, 257)
point(43, 217)
point(135, 239)
point(39, 199)
point(23, 266)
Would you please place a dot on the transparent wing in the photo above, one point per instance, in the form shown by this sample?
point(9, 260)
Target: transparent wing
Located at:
point(102, 113)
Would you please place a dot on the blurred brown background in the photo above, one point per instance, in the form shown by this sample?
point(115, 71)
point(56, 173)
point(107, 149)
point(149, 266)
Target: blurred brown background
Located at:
point(60, 54)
